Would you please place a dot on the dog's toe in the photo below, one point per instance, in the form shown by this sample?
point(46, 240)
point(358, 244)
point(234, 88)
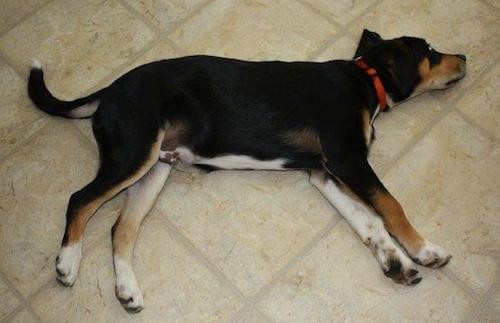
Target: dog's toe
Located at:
point(401, 275)
point(130, 298)
point(432, 256)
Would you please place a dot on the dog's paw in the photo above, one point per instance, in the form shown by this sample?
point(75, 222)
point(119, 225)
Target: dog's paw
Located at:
point(67, 264)
point(130, 297)
point(432, 255)
point(400, 274)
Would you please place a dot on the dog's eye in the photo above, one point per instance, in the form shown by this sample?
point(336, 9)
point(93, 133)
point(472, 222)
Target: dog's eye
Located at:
point(430, 48)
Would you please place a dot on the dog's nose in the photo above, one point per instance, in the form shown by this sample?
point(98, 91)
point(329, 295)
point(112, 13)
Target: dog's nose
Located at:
point(462, 57)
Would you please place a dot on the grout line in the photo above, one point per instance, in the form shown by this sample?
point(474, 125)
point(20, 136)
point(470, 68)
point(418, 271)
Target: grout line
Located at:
point(12, 314)
point(460, 283)
point(30, 14)
point(361, 14)
point(479, 127)
point(483, 304)
point(344, 31)
point(24, 304)
point(191, 248)
point(253, 300)
point(140, 16)
point(320, 12)
point(13, 66)
point(497, 10)
point(261, 317)
point(195, 11)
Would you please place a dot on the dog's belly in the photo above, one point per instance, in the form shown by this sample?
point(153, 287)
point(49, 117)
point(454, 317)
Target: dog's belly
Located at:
point(225, 161)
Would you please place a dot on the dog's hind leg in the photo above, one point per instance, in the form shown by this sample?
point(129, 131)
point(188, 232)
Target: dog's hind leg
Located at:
point(370, 228)
point(113, 176)
point(140, 199)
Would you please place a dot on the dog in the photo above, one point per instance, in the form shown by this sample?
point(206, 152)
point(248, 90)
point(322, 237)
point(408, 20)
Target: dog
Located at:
point(221, 113)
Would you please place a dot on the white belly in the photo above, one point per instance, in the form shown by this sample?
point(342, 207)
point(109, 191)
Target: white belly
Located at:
point(186, 156)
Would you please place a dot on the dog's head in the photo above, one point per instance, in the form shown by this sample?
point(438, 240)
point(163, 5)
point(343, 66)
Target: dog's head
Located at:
point(409, 66)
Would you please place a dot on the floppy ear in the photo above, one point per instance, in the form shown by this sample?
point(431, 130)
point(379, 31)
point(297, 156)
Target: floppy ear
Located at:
point(403, 71)
point(367, 41)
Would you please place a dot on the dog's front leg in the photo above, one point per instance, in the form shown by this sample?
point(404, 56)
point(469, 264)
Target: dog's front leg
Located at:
point(140, 198)
point(369, 227)
point(358, 175)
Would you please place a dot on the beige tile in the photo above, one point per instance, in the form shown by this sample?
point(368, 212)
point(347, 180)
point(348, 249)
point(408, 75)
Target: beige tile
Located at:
point(165, 14)
point(487, 316)
point(162, 50)
point(16, 110)
point(8, 300)
point(395, 129)
point(176, 286)
point(340, 281)
point(254, 30)
point(444, 25)
point(78, 42)
point(342, 11)
point(494, 3)
point(11, 11)
point(482, 102)
point(233, 218)
point(36, 183)
point(343, 48)
point(495, 300)
point(449, 185)
point(23, 317)
point(252, 317)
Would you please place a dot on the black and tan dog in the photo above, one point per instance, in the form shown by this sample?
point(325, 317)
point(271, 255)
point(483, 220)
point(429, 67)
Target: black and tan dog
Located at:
point(224, 113)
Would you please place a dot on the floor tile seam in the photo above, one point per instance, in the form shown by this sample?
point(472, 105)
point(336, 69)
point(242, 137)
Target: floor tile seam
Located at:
point(460, 284)
point(474, 124)
point(197, 254)
point(20, 307)
point(21, 130)
point(449, 108)
point(495, 9)
point(23, 301)
point(358, 18)
point(263, 318)
point(10, 63)
point(318, 11)
point(140, 17)
point(482, 304)
point(22, 142)
point(188, 17)
point(253, 300)
point(25, 17)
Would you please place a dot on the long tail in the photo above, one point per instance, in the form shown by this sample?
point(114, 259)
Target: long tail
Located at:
point(44, 100)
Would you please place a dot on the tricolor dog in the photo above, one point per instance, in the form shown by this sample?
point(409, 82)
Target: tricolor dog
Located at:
point(220, 113)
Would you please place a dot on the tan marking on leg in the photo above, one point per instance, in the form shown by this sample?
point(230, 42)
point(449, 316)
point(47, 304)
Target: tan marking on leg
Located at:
point(79, 222)
point(396, 222)
point(307, 140)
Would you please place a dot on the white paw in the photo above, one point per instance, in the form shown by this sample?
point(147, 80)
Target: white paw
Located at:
point(432, 255)
point(67, 263)
point(127, 290)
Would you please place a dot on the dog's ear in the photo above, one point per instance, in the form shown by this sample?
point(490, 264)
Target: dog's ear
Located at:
point(403, 70)
point(367, 41)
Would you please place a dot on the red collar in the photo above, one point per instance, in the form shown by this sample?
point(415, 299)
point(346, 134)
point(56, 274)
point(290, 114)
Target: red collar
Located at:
point(377, 83)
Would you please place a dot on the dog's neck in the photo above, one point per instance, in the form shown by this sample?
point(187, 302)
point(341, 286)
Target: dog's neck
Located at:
point(377, 83)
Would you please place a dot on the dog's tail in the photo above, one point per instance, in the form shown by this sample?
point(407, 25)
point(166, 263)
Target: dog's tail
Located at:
point(44, 100)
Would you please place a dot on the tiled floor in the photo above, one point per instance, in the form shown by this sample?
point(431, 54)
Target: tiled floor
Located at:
point(263, 246)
